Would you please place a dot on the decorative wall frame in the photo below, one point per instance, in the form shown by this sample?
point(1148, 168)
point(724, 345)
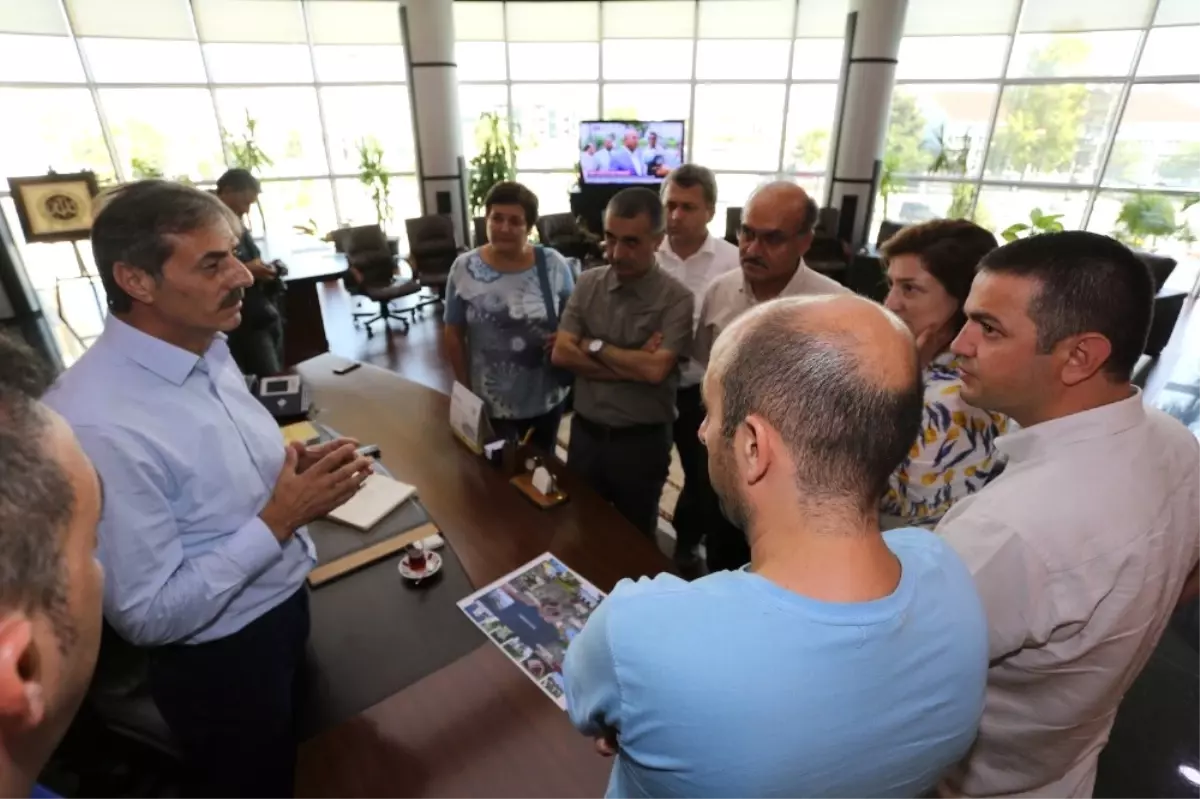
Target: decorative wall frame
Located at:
point(56, 207)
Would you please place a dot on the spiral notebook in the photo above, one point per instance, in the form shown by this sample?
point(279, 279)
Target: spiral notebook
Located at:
point(378, 497)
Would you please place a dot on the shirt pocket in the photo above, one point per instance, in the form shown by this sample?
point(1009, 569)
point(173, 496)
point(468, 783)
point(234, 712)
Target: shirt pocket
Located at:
point(636, 326)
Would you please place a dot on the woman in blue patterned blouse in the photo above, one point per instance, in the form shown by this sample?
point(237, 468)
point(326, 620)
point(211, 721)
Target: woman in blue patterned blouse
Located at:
point(503, 301)
point(930, 268)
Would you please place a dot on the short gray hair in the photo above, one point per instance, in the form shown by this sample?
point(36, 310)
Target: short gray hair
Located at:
point(689, 175)
point(133, 225)
point(845, 433)
point(36, 497)
point(633, 202)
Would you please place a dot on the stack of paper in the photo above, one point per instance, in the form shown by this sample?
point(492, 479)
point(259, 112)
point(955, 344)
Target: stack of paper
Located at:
point(304, 432)
point(378, 497)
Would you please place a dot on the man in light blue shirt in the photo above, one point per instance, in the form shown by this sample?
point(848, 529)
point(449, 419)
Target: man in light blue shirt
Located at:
point(843, 662)
point(627, 158)
point(202, 535)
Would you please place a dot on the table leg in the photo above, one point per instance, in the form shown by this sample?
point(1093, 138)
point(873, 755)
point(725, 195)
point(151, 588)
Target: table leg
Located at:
point(304, 326)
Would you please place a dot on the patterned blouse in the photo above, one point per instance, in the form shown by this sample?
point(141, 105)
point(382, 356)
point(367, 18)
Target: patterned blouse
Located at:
point(955, 454)
point(505, 317)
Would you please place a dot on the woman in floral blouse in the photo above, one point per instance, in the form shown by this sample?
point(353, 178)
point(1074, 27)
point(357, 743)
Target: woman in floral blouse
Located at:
point(930, 268)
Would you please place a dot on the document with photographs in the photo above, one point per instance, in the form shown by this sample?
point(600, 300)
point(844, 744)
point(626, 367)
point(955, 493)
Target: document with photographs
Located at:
point(533, 614)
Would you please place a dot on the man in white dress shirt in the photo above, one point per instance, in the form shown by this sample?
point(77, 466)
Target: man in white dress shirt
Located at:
point(696, 257)
point(1081, 548)
point(776, 232)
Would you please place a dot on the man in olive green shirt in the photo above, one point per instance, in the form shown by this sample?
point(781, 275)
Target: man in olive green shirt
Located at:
point(623, 333)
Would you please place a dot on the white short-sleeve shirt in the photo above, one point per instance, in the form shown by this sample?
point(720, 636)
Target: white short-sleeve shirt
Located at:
point(1079, 550)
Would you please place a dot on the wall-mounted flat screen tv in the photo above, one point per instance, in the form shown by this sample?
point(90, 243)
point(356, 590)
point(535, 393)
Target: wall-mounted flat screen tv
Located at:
point(627, 151)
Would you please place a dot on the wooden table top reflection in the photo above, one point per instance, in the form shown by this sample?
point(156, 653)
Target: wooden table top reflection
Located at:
point(477, 727)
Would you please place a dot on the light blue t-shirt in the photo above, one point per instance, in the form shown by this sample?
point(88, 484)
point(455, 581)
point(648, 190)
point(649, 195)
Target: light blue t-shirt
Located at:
point(734, 686)
point(505, 317)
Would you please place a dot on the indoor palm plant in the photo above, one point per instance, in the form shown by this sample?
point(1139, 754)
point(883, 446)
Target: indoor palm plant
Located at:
point(496, 161)
point(1038, 223)
point(244, 153)
point(1146, 217)
point(373, 174)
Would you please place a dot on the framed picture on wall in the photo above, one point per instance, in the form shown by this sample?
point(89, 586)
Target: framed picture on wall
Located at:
point(55, 207)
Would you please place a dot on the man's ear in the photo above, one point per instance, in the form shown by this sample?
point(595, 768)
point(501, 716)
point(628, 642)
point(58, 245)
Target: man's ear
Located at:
point(712, 212)
point(135, 282)
point(1083, 356)
point(22, 699)
point(753, 448)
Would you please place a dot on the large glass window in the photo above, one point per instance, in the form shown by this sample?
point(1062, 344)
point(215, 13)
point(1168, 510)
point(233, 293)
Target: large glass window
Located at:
point(1043, 109)
point(547, 118)
point(737, 126)
point(171, 132)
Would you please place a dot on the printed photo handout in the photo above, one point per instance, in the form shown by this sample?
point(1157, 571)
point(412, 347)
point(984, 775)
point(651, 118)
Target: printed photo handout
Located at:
point(532, 614)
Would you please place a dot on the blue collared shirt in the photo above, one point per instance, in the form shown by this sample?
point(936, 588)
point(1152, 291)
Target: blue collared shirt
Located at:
point(188, 459)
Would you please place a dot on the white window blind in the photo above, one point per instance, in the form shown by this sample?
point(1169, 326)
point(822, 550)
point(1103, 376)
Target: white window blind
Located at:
point(354, 22)
point(553, 22)
point(648, 19)
point(250, 21)
point(745, 19)
point(32, 16)
point(132, 19)
point(948, 18)
point(818, 18)
point(478, 21)
point(1065, 16)
point(1177, 12)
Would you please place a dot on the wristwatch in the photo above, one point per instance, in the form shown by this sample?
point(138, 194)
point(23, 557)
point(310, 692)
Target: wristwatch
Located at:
point(594, 346)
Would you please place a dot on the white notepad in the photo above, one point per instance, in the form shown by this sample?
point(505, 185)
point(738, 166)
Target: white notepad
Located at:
point(378, 497)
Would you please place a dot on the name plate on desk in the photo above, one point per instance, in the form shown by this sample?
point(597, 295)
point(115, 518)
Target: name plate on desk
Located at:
point(468, 418)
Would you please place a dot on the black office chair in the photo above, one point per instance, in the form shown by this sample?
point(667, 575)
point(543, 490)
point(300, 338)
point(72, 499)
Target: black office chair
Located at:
point(432, 249)
point(563, 233)
point(372, 274)
point(119, 695)
point(733, 223)
point(886, 231)
point(828, 254)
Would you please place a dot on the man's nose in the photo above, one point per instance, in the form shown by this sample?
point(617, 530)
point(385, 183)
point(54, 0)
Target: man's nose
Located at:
point(243, 277)
point(962, 344)
point(892, 302)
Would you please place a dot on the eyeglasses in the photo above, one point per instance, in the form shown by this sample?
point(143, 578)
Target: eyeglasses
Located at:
point(768, 238)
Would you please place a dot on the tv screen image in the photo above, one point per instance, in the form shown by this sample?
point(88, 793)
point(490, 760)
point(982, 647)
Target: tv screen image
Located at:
point(624, 151)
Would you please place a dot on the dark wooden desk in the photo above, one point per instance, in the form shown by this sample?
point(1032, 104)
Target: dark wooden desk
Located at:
point(477, 727)
point(304, 330)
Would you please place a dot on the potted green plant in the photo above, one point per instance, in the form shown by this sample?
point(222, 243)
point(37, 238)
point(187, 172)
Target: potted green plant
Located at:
point(374, 176)
point(889, 182)
point(144, 169)
point(1038, 223)
point(496, 161)
point(244, 153)
point(1146, 217)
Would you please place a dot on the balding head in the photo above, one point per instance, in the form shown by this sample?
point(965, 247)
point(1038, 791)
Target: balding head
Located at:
point(789, 203)
point(776, 232)
point(831, 381)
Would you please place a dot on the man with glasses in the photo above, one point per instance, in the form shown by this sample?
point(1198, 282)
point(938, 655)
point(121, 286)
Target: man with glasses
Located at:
point(776, 232)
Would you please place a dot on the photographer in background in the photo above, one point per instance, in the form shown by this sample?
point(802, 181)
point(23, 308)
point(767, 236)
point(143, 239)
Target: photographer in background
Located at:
point(257, 343)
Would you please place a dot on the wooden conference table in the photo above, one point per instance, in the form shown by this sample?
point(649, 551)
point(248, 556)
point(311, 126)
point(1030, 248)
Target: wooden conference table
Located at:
point(477, 726)
point(304, 331)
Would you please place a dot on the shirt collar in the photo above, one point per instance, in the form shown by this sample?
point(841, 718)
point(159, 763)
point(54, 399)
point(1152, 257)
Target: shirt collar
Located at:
point(794, 286)
point(613, 283)
point(169, 362)
point(709, 247)
point(1107, 420)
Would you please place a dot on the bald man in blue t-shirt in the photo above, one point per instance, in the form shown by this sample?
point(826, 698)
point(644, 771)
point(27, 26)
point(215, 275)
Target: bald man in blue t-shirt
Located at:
point(843, 662)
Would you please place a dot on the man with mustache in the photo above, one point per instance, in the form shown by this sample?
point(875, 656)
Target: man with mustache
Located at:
point(202, 533)
point(776, 232)
point(623, 332)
